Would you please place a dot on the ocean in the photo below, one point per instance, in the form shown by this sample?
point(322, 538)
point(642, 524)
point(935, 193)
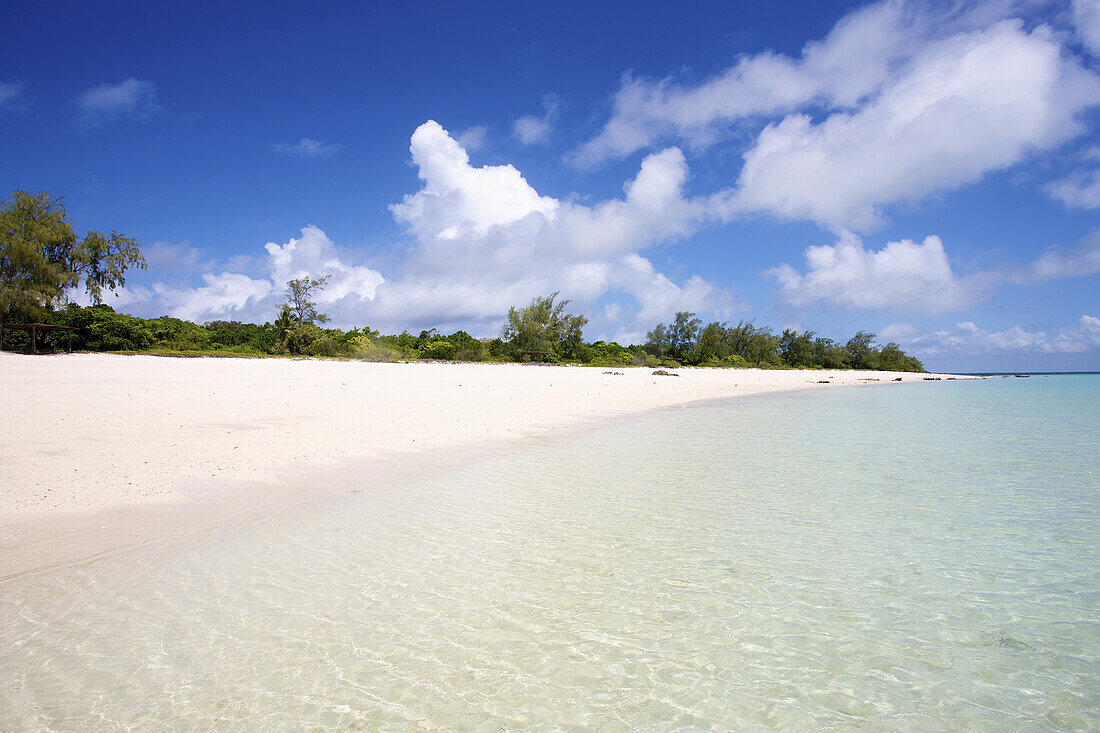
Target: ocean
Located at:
point(917, 556)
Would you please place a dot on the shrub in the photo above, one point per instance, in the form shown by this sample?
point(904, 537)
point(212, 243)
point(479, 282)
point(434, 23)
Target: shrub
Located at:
point(365, 349)
point(439, 349)
point(322, 346)
point(99, 328)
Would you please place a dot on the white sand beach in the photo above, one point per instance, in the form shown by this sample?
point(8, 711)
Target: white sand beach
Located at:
point(102, 451)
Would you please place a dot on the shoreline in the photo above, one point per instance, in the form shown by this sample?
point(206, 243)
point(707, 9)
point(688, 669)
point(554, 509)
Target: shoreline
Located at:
point(111, 452)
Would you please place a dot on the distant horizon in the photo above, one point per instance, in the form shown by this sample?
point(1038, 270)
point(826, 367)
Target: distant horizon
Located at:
point(839, 168)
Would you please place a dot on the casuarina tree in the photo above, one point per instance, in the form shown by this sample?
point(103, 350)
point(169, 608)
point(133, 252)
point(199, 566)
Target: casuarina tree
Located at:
point(43, 262)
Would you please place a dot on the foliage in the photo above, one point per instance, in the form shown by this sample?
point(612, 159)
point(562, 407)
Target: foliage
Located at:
point(100, 328)
point(42, 260)
point(719, 344)
point(544, 326)
point(365, 349)
point(300, 295)
point(296, 327)
point(177, 335)
point(247, 338)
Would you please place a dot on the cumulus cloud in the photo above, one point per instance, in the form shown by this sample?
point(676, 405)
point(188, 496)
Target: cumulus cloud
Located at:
point(458, 200)
point(855, 59)
point(968, 338)
point(483, 239)
point(255, 296)
point(940, 125)
point(307, 148)
point(900, 101)
point(486, 239)
point(917, 277)
point(230, 295)
point(314, 255)
point(131, 98)
point(11, 97)
point(532, 130)
point(903, 275)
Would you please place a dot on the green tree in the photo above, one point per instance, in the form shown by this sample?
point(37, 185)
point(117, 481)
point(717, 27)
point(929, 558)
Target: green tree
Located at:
point(797, 349)
point(99, 328)
point(712, 346)
point(296, 325)
point(683, 334)
point(861, 351)
point(300, 295)
point(42, 260)
point(657, 342)
point(545, 326)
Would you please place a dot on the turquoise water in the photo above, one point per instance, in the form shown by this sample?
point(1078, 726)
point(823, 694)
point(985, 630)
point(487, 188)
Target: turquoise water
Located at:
point(897, 557)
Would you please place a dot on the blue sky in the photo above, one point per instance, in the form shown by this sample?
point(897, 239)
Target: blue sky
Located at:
point(924, 170)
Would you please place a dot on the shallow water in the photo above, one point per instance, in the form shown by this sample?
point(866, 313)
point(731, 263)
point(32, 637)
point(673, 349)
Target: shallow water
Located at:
point(907, 557)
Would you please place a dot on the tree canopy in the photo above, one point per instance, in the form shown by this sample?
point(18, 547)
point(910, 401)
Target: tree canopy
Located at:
point(42, 260)
point(300, 295)
point(544, 326)
point(687, 341)
point(297, 324)
point(99, 328)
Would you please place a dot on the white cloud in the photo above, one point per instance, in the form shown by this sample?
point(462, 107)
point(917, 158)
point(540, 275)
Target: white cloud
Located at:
point(307, 148)
point(968, 338)
point(532, 130)
point(911, 276)
point(472, 139)
point(854, 60)
point(903, 275)
point(458, 200)
point(132, 98)
point(900, 101)
point(256, 297)
point(1080, 189)
point(1054, 264)
point(1086, 16)
point(176, 257)
point(11, 97)
point(486, 240)
point(314, 255)
point(483, 240)
point(940, 125)
point(228, 295)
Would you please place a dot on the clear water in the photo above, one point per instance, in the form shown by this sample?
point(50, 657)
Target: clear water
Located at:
point(906, 557)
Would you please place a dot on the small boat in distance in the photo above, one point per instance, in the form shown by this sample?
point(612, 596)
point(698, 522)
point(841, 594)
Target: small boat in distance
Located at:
point(1021, 376)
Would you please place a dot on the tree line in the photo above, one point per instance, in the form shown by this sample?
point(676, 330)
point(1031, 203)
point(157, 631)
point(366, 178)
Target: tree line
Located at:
point(687, 341)
point(42, 260)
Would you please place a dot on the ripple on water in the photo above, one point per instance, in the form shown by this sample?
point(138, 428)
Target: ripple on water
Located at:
point(893, 558)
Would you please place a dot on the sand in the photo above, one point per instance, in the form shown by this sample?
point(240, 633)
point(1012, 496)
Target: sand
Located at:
point(101, 452)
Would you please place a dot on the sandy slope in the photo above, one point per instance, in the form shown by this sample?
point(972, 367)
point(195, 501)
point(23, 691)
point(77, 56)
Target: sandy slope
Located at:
point(88, 439)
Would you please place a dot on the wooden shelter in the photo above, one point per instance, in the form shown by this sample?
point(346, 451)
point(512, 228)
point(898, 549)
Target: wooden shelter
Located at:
point(35, 329)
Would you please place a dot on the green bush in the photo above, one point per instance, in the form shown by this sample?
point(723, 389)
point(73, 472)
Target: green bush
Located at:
point(177, 335)
point(365, 349)
point(232, 334)
point(321, 346)
point(441, 350)
point(100, 328)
